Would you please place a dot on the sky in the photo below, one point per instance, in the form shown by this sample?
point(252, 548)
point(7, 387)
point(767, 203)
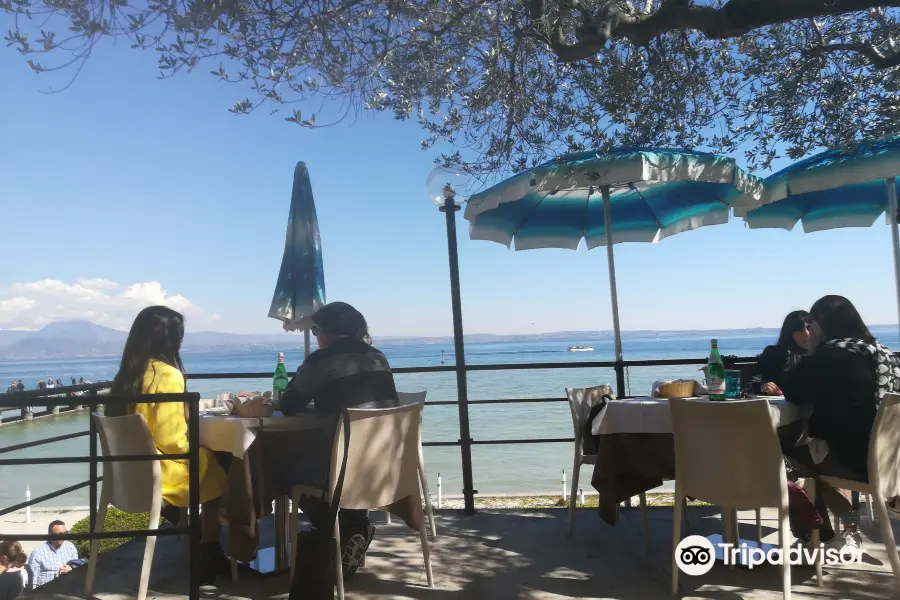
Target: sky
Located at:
point(125, 190)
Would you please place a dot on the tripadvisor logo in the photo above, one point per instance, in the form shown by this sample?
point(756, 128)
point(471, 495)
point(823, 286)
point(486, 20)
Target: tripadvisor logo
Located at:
point(695, 555)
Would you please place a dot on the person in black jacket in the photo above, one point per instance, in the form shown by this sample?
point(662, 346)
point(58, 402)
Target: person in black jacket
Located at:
point(844, 380)
point(345, 372)
point(779, 364)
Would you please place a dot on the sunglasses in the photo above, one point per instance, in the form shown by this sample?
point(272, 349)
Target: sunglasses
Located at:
point(315, 330)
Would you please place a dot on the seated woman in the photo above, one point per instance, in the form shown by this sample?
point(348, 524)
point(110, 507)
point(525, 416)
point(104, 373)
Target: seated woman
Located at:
point(779, 364)
point(844, 380)
point(345, 372)
point(151, 364)
point(12, 577)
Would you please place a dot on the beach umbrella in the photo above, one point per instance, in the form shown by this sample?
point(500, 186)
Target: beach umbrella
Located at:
point(300, 289)
point(625, 195)
point(845, 187)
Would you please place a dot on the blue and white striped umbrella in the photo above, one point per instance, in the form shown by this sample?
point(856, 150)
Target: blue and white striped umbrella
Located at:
point(848, 187)
point(644, 194)
point(300, 289)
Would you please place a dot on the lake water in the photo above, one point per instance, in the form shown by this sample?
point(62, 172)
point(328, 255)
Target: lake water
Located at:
point(497, 468)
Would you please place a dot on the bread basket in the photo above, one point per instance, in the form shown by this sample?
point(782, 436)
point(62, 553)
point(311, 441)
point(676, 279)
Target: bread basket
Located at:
point(254, 408)
point(682, 388)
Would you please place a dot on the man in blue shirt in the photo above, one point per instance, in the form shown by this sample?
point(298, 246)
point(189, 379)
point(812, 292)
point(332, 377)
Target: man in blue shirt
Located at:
point(51, 559)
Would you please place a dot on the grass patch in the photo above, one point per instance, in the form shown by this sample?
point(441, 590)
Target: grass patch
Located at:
point(116, 520)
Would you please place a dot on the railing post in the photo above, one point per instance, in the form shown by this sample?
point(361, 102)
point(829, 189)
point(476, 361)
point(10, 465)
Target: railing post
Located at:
point(620, 378)
point(194, 494)
point(92, 466)
point(465, 439)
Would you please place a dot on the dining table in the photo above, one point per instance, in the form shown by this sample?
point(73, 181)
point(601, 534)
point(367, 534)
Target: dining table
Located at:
point(256, 505)
point(636, 448)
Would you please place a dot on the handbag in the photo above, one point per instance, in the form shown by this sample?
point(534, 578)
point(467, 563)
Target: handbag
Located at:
point(315, 554)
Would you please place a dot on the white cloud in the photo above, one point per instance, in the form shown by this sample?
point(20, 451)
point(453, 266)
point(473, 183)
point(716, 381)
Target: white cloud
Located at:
point(100, 284)
point(33, 304)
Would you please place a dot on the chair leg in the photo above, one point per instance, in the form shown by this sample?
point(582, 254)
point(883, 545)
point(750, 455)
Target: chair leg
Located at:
point(676, 536)
point(870, 508)
point(95, 545)
point(759, 535)
point(294, 526)
point(576, 471)
point(426, 553)
point(148, 550)
point(428, 509)
point(646, 518)
point(887, 534)
point(783, 527)
point(337, 560)
point(687, 520)
point(387, 517)
point(816, 539)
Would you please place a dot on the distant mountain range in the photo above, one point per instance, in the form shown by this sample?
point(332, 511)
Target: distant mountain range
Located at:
point(83, 338)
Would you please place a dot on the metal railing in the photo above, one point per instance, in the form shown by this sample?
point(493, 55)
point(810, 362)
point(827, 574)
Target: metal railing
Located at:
point(25, 399)
point(465, 442)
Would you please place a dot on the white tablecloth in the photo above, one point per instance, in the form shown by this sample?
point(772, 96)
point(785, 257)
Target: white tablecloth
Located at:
point(228, 434)
point(235, 434)
point(652, 415)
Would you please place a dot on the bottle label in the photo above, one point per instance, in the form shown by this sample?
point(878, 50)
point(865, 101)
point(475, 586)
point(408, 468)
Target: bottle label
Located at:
point(716, 385)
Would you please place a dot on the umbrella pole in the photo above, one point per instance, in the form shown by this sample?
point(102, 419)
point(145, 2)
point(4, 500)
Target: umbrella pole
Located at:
point(617, 332)
point(305, 343)
point(895, 235)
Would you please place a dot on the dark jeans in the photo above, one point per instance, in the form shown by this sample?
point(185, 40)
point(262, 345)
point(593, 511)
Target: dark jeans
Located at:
point(826, 496)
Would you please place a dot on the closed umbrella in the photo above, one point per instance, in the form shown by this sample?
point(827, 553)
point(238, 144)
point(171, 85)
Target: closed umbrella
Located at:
point(845, 187)
point(300, 289)
point(626, 195)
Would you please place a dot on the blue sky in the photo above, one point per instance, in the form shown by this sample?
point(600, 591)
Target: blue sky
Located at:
point(156, 189)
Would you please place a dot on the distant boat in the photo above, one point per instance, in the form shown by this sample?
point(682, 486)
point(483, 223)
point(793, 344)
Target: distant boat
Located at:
point(581, 348)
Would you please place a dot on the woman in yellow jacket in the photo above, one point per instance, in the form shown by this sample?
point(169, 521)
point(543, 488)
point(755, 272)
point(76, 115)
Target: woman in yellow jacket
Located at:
point(151, 364)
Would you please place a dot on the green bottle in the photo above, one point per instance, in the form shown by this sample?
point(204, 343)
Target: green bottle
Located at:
point(279, 381)
point(715, 373)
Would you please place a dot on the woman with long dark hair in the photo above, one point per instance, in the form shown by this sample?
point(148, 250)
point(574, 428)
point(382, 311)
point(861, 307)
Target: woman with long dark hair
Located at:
point(151, 364)
point(848, 375)
point(779, 363)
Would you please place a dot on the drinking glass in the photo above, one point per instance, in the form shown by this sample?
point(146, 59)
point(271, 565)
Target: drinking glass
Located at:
point(732, 384)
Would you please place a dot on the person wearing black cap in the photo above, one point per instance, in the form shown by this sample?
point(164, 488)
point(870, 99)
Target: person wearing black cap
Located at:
point(345, 372)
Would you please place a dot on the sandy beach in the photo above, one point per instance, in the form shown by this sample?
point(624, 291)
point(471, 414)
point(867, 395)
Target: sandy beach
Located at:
point(41, 518)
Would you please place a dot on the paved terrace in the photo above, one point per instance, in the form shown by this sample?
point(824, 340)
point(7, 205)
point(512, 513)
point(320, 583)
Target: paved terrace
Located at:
point(500, 555)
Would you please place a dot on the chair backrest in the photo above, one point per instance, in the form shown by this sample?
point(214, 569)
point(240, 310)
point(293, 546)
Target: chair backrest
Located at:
point(411, 397)
point(384, 456)
point(884, 447)
point(580, 402)
point(728, 453)
point(131, 486)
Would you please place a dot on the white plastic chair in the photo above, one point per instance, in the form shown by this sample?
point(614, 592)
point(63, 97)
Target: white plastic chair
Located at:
point(728, 454)
point(382, 468)
point(579, 405)
point(132, 487)
point(884, 472)
point(407, 398)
